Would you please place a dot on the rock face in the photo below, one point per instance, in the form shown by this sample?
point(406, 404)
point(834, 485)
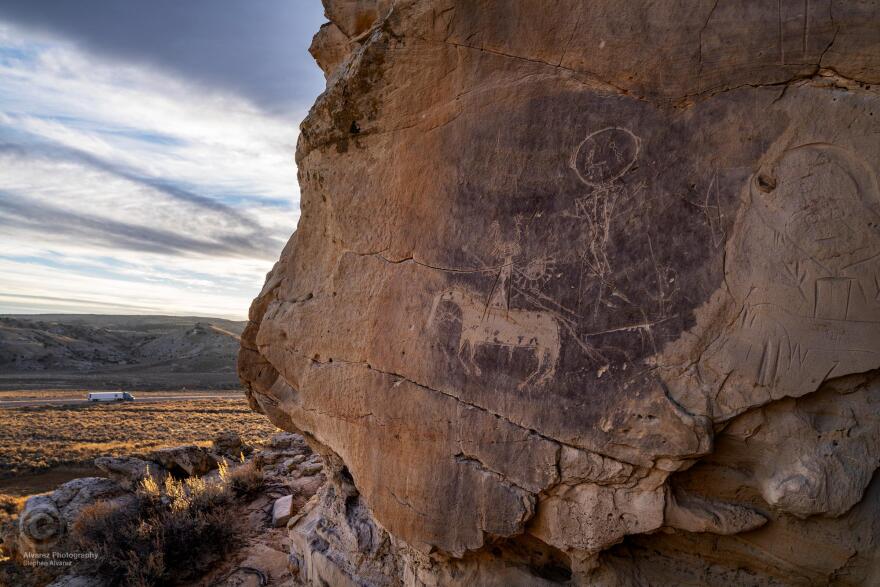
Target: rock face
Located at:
point(566, 277)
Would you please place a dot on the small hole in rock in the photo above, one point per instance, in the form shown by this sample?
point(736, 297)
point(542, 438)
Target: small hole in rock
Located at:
point(766, 183)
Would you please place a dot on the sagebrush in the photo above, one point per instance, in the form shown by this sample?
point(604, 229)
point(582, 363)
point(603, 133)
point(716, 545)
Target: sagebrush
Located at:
point(168, 531)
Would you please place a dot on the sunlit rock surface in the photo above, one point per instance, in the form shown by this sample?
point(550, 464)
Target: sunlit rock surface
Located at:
point(584, 293)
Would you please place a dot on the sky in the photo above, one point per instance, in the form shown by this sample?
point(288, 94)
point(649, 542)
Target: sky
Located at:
point(147, 151)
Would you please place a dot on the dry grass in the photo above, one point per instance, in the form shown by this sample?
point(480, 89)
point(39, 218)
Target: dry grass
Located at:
point(9, 507)
point(19, 394)
point(40, 438)
point(7, 395)
point(170, 532)
point(243, 480)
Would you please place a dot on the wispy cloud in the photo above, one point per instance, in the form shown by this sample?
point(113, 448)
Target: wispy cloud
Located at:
point(125, 186)
point(255, 49)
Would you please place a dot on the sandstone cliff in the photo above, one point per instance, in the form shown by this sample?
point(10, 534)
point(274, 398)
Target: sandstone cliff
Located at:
point(585, 293)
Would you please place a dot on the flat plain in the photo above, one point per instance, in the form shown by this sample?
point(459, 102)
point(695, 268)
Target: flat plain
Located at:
point(42, 446)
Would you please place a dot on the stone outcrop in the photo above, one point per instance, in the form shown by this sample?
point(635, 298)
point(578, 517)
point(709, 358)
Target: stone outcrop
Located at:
point(129, 471)
point(44, 522)
point(584, 293)
point(230, 444)
point(184, 461)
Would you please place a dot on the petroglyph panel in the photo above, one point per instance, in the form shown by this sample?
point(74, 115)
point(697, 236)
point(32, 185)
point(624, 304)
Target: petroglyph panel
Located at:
point(605, 235)
point(579, 252)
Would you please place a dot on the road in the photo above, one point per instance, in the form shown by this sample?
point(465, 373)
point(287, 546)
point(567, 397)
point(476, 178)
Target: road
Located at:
point(141, 398)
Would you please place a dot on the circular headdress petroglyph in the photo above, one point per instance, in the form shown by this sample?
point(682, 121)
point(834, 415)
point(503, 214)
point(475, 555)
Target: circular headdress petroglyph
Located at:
point(605, 155)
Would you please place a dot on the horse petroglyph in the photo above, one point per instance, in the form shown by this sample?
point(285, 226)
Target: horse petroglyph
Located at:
point(503, 327)
point(494, 323)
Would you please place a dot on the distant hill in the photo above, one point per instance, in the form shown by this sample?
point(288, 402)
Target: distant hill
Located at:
point(130, 352)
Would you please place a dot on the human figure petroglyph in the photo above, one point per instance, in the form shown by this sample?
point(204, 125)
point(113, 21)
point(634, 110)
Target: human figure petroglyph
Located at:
point(597, 210)
point(506, 328)
point(499, 298)
point(600, 160)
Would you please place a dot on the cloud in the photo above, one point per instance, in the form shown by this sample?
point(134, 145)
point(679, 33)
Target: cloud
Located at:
point(126, 185)
point(255, 49)
point(26, 291)
point(62, 154)
point(29, 218)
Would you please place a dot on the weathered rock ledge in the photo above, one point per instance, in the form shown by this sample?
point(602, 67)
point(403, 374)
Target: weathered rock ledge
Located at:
point(584, 294)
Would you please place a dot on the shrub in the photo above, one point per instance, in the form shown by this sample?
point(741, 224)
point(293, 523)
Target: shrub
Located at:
point(165, 534)
point(10, 504)
point(9, 507)
point(244, 480)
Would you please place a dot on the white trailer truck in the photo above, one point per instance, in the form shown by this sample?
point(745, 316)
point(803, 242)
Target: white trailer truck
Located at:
point(110, 396)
